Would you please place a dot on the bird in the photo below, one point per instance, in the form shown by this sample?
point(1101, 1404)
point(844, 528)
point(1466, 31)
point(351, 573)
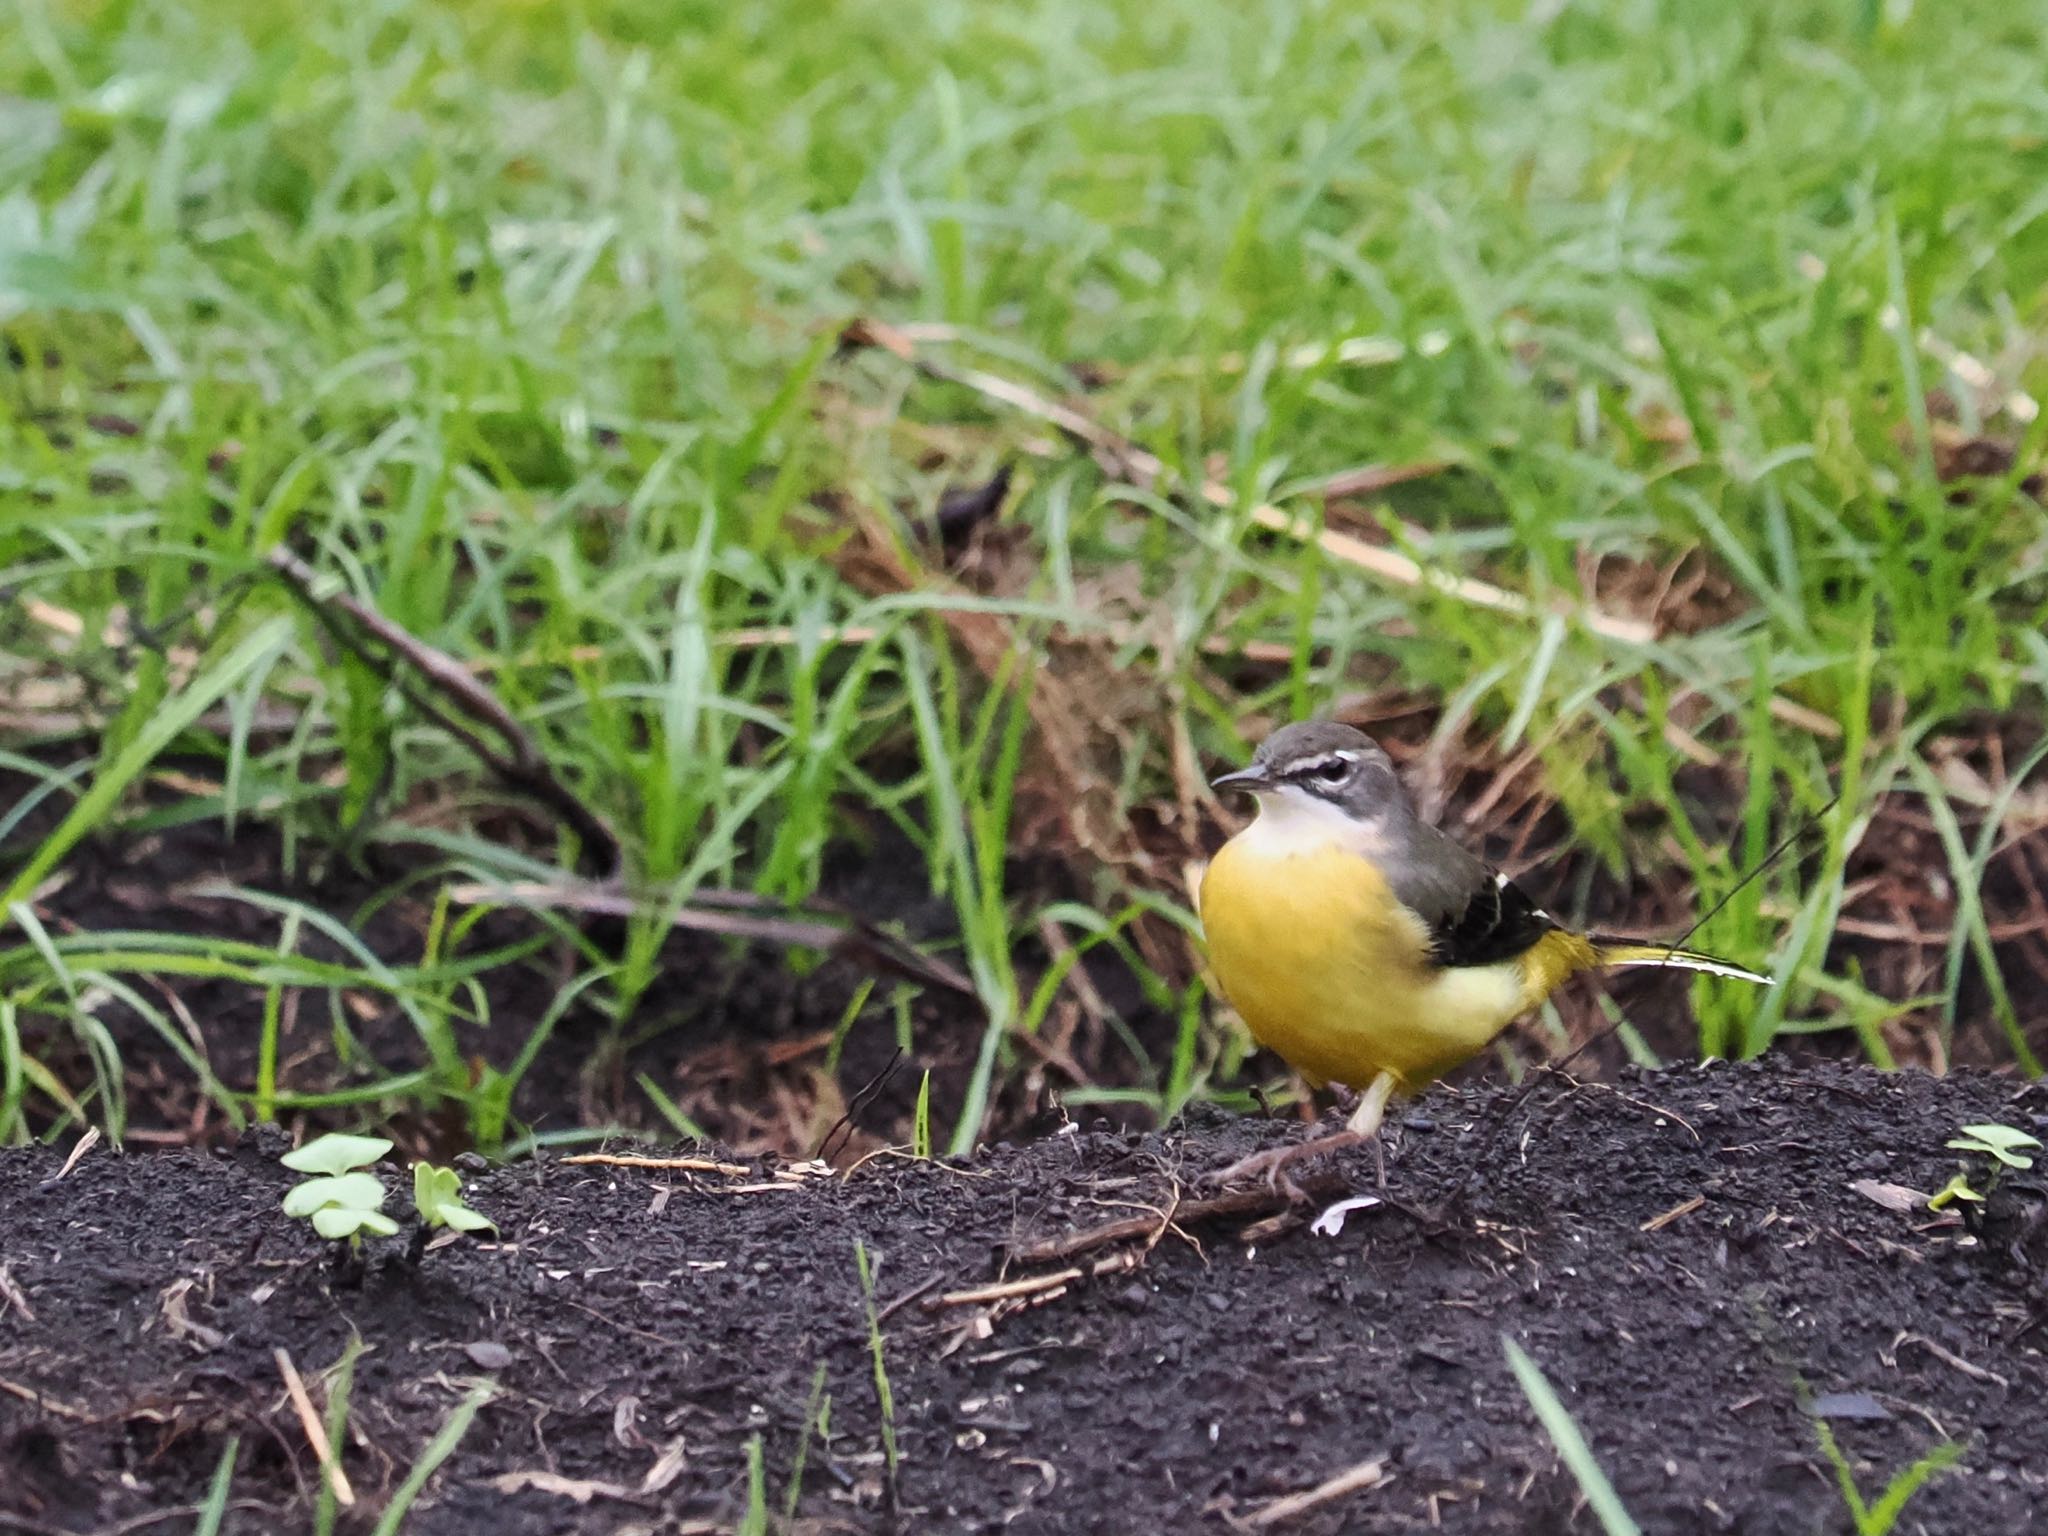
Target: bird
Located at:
point(1366, 947)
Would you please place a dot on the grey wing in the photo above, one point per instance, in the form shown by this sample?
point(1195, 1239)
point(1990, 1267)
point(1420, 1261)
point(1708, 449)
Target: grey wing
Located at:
point(1475, 915)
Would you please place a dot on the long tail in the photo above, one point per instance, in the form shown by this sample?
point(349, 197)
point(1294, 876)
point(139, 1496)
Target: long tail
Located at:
point(1608, 952)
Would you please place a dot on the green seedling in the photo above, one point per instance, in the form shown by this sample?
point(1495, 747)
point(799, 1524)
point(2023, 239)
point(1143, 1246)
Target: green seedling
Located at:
point(437, 1196)
point(2002, 1149)
point(921, 1120)
point(1999, 1142)
point(335, 1222)
point(1957, 1188)
point(342, 1205)
point(817, 1421)
point(754, 1522)
point(1879, 1517)
point(885, 1398)
point(341, 1200)
point(335, 1154)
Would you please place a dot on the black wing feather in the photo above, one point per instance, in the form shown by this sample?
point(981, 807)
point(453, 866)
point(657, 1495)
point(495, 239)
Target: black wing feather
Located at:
point(1474, 915)
point(1498, 922)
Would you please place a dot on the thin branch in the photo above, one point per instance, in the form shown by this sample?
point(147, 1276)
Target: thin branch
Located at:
point(1244, 1202)
point(839, 934)
point(521, 764)
point(678, 1164)
point(1367, 1474)
point(315, 1431)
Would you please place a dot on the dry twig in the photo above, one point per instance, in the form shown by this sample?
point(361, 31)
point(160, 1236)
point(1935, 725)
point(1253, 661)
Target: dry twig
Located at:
point(576, 1490)
point(1949, 1358)
point(1232, 1203)
point(1684, 1208)
point(837, 933)
point(1367, 1474)
point(1006, 1290)
point(521, 764)
point(687, 1164)
point(315, 1431)
point(79, 1148)
point(43, 1400)
point(12, 1295)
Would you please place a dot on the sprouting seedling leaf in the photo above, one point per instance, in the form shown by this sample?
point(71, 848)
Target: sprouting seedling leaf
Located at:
point(2002, 1135)
point(437, 1196)
point(1997, 1141)
point(339, 1221)
point(352, 1191)
point(342, 1201)
point(336, 1154)
point(1957, 1188)
point(921, 1124)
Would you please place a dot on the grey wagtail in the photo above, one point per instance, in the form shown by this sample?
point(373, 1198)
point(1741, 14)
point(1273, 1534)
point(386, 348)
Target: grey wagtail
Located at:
point(1367, 948)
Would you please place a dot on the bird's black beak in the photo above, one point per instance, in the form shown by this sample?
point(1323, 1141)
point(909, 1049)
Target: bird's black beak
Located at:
point(1253, 778)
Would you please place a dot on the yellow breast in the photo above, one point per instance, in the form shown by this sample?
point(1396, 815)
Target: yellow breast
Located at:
point(1333, 974)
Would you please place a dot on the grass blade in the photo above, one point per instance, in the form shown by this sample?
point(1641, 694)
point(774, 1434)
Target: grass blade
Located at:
point(438, 1450)
point(336, 1425)
point(215, 1509)
point(1880, 1517)
point(1571, 1445)
point(170, 720)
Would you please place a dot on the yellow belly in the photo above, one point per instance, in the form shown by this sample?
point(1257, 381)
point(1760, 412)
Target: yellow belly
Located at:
point(1332, 974)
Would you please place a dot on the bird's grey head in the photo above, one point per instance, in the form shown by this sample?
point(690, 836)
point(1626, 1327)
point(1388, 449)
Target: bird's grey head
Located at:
point(1319, 763)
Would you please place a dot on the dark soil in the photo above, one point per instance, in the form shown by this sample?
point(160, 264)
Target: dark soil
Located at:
point(1683, 1254)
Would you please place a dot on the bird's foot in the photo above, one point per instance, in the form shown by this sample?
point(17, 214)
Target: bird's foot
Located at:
point(1272, 1165)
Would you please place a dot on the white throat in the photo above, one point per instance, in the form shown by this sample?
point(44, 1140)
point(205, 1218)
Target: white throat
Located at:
point(1292, 820)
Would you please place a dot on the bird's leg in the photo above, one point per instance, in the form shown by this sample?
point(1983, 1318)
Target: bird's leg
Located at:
point(1368, 1117)
point(1363, 1125)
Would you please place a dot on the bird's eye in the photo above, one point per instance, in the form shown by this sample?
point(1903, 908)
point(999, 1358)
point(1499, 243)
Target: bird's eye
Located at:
point(1334, 771)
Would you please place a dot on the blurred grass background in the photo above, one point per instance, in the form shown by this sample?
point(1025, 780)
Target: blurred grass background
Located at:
point(521, 324)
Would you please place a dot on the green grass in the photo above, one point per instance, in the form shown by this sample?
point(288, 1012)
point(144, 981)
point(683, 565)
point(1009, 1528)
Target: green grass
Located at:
point(754, 1518)
point(436, 1451)
point(215, 1509)
point(341, 1383)
point(518, 321)
point(1570, 1440)
point(1879, 1518)
point(885, 1399)
point(1870, 1519)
